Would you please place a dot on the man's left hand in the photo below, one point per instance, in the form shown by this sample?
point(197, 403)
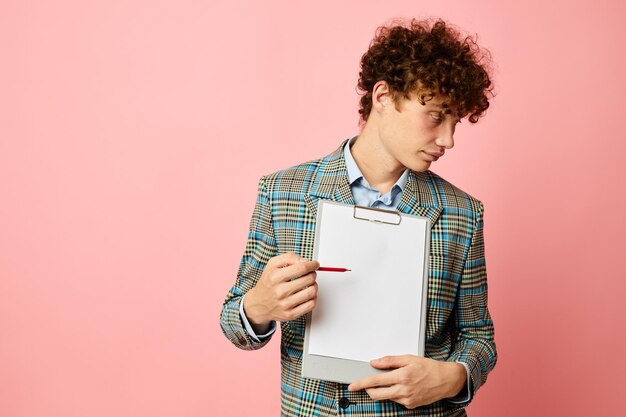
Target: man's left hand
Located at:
point(414, 381)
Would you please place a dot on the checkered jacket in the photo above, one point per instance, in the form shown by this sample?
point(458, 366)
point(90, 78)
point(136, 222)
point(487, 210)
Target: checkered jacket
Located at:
point(458, 324)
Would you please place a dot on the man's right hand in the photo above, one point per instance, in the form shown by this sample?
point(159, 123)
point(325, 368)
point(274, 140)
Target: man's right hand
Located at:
point(276, 297)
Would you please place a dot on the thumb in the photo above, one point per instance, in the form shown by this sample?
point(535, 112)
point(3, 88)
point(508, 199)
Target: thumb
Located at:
point(387, 362)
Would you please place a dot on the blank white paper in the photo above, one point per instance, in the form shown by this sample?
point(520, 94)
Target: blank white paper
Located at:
point(375, 309)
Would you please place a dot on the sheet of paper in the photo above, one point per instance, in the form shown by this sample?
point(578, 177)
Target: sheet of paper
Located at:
point(373, 310)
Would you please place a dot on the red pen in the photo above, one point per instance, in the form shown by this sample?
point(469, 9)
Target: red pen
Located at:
point(331, 269)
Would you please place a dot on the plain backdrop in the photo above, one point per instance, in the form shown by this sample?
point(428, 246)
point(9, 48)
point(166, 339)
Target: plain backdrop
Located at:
point(132, 137)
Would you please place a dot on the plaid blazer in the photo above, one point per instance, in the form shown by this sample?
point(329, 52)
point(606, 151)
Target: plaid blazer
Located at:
point(458, 324)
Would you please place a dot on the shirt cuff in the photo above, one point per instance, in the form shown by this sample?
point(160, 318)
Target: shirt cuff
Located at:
point(463, 396)
point(246, 324)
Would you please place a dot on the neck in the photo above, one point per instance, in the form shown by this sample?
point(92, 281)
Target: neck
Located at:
point(378, 168)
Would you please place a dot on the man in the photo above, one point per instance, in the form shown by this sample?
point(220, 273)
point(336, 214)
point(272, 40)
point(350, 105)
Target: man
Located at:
point(418, 81)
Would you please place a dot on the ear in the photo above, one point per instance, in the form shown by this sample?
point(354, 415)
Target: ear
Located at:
point(381, 96)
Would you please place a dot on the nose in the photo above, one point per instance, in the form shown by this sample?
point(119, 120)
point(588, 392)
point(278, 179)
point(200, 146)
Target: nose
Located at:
point(446, 138)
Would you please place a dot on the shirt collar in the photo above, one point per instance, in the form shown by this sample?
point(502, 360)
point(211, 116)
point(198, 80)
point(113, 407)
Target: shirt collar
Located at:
point(354, 173)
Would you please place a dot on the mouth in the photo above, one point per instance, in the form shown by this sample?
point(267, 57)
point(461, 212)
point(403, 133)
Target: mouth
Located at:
point(432, 156)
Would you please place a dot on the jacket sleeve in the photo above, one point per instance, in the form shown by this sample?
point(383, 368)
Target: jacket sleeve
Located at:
point(260, 247)
point(474, 342)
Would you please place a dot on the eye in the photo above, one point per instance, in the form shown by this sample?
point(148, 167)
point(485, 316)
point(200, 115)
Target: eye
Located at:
point(437, 117)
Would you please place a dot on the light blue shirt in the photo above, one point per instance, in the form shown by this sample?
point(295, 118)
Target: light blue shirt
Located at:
point(363, 195)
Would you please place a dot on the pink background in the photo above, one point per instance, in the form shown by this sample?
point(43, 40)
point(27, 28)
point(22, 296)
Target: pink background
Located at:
point(132, 137)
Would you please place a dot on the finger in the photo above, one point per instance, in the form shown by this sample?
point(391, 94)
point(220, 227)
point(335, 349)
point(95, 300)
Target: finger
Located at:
point(379, 380)
point(383, 393)
point(388, 362)
point(283, 260)
point(296, 270)
point(303, 308)
point(292, 287)
point(301, 296)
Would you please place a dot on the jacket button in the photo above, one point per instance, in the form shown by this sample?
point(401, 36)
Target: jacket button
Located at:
point(344, 402)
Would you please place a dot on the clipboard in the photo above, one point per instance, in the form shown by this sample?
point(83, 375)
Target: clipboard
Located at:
point(379, 307)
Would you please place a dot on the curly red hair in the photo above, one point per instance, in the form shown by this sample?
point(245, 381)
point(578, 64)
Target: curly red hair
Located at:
point(427, 58)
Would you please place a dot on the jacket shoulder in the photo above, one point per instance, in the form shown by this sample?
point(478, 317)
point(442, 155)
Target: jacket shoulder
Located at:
point(297, 178)
point(452, 197)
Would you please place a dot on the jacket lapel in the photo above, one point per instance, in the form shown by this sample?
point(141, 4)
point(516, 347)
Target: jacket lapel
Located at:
point(420, 197)
point(331, 182)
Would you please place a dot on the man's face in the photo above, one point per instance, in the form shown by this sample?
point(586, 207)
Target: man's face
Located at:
point(418, 134)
